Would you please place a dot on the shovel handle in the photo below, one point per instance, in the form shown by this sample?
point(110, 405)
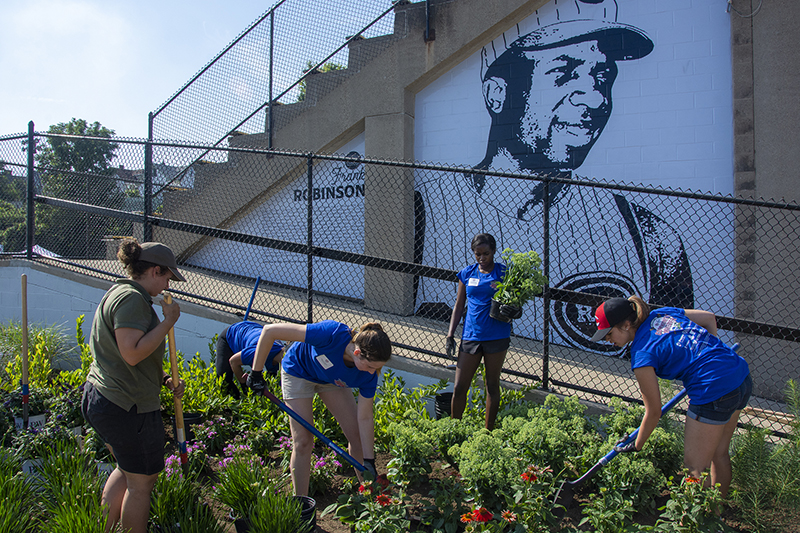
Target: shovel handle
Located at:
point(173, 365)
point(310, 427)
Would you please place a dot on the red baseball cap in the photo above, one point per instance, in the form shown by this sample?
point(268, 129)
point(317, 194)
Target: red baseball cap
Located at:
point(609, 314)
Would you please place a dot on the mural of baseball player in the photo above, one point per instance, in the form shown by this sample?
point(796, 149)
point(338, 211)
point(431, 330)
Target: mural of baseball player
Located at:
point(547, 86)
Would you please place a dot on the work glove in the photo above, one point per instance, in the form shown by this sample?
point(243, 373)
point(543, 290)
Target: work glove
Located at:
point(511, 311)
point(255, 380)
point(450, 347)
point(619, 447)
point(369, 465)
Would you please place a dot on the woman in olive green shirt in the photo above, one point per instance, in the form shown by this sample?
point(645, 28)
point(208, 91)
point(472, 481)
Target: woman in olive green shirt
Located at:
point(121, 393)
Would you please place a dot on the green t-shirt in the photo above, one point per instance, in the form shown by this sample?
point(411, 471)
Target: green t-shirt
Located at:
point(125, 305)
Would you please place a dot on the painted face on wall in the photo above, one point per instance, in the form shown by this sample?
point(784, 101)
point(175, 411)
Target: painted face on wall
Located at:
point(569, 102)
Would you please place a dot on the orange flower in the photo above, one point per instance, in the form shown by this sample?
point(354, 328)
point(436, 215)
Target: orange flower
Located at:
point(690, 479)
point(530, 477)
point(466, 518)
point(383, 499)
point(481, 514)
point(508, 516)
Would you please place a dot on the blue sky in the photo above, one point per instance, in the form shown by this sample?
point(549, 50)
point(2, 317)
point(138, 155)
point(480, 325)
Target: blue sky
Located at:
point(110, 61)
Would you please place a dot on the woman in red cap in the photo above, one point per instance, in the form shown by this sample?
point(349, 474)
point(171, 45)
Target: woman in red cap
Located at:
point(673, 343)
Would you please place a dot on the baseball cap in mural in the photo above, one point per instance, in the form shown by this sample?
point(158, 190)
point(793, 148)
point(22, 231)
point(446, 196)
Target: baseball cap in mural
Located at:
point(160, 254)
point(565, 22)
point(609, 314)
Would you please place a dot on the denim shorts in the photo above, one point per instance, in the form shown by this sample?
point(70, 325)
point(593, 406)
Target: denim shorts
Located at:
point(719, 411)
point(136, 439)
point(485, 347)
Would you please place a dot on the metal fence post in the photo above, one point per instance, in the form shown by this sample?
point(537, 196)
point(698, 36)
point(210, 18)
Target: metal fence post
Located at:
point(310, 240)
point(147, 228)
point(30, 218)
point(546, 291)
point(271, 50)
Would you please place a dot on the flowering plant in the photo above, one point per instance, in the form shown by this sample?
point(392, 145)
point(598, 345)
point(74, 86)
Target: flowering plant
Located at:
point(532, 502)
point(373, 508)
point(36, 402)
point(692, 507)
point(214, 433)
point(65, 409)
point(34, 442)
point(323, 468)
point(483, 520)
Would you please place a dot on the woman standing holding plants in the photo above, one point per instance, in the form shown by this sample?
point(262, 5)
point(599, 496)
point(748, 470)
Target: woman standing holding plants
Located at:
point(673, 343)
point(483, 336)
point(121, 394)
point(329, 359)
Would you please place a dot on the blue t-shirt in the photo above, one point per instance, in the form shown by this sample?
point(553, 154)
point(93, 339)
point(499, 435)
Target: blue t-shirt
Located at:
point(321, 359)
point(478, 325)
point(243, 337)
point(677, 348)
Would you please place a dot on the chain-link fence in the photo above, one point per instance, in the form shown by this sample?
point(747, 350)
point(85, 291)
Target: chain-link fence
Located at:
point(271, 63)
point(351, 239)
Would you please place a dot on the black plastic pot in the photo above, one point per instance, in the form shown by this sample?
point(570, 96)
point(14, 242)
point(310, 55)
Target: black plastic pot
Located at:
point(504, 312)
point(442, 405)
point(189, 420)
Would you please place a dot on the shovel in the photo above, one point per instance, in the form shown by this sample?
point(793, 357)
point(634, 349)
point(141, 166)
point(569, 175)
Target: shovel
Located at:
point(567, 489)
point(310, 427)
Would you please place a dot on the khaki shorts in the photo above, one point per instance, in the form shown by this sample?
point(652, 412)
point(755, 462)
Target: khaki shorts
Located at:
point(295, 388)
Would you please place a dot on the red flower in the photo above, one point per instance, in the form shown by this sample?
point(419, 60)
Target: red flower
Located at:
point(529, 477)
point(690, 479)
point(482, 514)
point(363, 489)
point(383, 499)
point(383, 481)
point(508, 516)
point(466, 518)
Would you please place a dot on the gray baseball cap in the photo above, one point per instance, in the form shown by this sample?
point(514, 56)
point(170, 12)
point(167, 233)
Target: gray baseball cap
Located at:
point(160, 254)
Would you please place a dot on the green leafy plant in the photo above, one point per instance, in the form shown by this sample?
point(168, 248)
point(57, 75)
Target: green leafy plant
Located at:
point(448, 495)
point(46, 345)
point(242, 478)
point(70, 490)
point(610, 513)
point(523, 278)
point(214, 434)
point(323, 469)
point(33, 442)
point(276, 512)
point(412, 452)
point(65, 409)
point(393, 400)
point(37, 399)
point(75, 378)
point(532, 502)
point(18, 498)
point(203, 393)
point(692, 508)
point(177, 506)
point(373, 508)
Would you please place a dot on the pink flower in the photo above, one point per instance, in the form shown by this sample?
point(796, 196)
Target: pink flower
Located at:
point(508, 516)
point(482, 514)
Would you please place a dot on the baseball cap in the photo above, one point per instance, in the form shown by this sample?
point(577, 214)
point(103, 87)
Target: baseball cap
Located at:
point(160, 254)
point(569, 22)
point(609, 314)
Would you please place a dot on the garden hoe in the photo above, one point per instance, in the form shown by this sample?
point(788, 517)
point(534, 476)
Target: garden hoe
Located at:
point(567, 489)
point(310, 427)
point(252, 297)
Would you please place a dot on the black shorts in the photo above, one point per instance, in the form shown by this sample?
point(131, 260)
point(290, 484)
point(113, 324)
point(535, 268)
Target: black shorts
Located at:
point(137, 439)
point(485, 347)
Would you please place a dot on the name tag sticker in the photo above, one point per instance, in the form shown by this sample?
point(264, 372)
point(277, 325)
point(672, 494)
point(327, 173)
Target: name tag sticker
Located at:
point(473, 282)
point(324, 361)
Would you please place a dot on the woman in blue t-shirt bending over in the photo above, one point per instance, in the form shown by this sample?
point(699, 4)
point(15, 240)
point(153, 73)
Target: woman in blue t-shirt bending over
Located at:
point(483, 336)
point(672, 343)
point(328, 359)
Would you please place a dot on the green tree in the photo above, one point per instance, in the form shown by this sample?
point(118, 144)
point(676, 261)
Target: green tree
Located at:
point(12, 210)
point(77, 169)
point(327, 67)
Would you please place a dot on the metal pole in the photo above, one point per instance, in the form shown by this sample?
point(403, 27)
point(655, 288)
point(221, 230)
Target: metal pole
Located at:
point(546, 292)
point(147, 229)
point(310, 240)
point(30, 215)
point(271, 50)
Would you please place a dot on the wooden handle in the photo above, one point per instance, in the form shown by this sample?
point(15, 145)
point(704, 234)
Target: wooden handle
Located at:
point(173, 365)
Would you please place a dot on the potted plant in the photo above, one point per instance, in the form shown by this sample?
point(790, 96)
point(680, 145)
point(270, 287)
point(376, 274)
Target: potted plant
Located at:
point(36, 407)
point(522, 281)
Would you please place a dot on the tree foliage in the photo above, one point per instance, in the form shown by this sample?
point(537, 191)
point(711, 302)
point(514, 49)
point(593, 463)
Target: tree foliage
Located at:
point(78, 169)
point(327, 67)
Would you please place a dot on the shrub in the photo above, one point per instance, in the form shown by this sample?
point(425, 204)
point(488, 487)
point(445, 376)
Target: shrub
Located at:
point(412, 450)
